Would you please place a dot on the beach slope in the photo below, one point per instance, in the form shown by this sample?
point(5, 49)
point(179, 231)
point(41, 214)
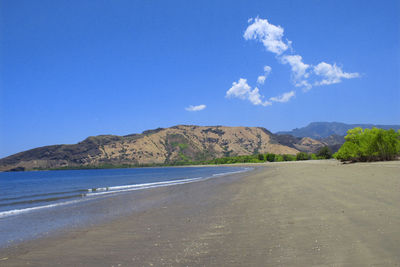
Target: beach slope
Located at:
point(281, 214)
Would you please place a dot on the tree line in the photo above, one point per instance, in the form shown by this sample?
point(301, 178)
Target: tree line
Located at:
point(374, 144)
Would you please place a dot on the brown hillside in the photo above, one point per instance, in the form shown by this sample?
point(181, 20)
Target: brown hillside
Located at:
point(178, 143)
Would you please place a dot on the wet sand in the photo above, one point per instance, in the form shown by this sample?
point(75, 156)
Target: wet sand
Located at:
point(281, 214)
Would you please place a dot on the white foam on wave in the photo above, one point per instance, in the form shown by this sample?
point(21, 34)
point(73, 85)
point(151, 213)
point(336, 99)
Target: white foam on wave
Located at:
point(227, 173)
point(126, 188)
point(19, 211)
point(117, 189)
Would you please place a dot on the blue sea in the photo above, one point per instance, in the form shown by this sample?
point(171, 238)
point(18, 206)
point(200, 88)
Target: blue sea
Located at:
point(38, 202)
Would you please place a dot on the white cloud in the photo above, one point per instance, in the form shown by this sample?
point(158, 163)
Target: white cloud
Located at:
point(256, 99)
point(267, 70)
point(285, 97)
point(239, 89)
point(299, 69)
point(332, 74)
point(303, 74)
point(304, 84)
point(270, 35)
point(261, 78)
point(196, 108)
point(243, 91)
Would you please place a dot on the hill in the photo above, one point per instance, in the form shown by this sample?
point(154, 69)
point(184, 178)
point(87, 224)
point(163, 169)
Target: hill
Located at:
point(309, 145)
point(160, 146)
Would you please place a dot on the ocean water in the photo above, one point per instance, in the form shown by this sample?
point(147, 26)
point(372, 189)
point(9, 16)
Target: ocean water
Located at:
point(39, 202)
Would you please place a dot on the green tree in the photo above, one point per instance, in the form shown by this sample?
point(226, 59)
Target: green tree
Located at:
point(302, 156)
point(324, 153)
point(369, 145)
point(288, 157)
point(270, 157)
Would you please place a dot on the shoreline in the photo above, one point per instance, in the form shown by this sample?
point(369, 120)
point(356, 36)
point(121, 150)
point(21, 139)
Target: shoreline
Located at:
point(155, 165)
point(148, 167)
point(144, 201)
point(265, 163)
point(290, 213)
point(105, 205)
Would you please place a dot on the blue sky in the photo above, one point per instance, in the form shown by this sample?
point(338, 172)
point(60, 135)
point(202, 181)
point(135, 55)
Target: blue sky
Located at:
point(72, 69)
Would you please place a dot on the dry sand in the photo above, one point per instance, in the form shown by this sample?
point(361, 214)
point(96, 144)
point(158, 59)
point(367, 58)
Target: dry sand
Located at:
point(315, 213)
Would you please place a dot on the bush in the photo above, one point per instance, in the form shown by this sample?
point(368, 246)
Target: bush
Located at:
point(278, 158)
point(287, 157)
point(324, 153)
point(270, 157)
point(302, 156)
point(261, 157)
point(369, 145)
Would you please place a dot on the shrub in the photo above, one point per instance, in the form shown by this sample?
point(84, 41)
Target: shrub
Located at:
point(270, 157)
point(324, 153)
point(288, 157)
point(369, 145)
point(302, 156)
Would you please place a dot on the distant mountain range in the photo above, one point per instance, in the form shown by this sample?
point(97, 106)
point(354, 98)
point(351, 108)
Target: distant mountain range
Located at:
point(181, 143)
point(318, 130)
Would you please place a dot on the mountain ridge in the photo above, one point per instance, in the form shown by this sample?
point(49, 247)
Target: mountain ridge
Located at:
point(158, 146)
point(181, 143)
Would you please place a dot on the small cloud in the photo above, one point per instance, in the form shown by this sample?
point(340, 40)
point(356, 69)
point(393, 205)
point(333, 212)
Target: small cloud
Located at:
point(332, 74)
point(196, 108)
point(267, 70)
point(299, 71)
point(256, 99)
point(239, 89)
point(268, 34)
point(261, 78)
point(304, 84)
point(243, 91)
point(285, 97)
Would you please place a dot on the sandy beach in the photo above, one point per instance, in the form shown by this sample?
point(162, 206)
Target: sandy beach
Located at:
point(314, 213)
